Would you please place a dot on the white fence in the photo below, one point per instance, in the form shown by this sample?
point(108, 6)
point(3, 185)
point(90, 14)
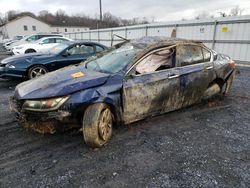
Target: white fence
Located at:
point(230, 35)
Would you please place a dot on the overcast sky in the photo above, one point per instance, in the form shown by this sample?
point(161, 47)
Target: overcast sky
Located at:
point(160, 10)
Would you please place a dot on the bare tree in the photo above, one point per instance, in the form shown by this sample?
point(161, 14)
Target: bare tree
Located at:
point(2, 19)
point(236, 11)
point(11, 15)
point(223, 14)
point(60, 13)
point(43, 13)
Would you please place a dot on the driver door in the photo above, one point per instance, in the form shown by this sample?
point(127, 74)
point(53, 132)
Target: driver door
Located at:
point(74, 55)
point(150, 93)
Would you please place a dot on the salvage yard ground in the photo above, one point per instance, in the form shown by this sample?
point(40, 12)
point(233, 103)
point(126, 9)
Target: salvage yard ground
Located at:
point(205, 145)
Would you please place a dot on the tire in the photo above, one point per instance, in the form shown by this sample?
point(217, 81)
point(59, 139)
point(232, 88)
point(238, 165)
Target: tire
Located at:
point(30, 51)
point(37, 71)
point(97, 125)
point(211, 91)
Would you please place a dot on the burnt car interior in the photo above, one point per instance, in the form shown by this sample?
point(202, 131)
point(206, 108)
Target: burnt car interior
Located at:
point(81, 49)
point(156, 61)
point(170, 57)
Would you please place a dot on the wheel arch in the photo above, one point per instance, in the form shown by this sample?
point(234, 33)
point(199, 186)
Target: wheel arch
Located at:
point(113, 109)
point(32, 49)
point(218, 81)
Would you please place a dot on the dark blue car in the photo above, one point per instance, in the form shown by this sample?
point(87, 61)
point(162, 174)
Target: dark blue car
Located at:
point(36, 64)
point(142, 78)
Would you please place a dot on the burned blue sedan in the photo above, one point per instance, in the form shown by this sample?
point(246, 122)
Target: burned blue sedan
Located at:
point(141, 78)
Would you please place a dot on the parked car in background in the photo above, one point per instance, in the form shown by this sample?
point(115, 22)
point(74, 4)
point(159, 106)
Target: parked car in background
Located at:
point(142, 78)
point(27, 39)
point(42, 45)
point(32, 65)
point(10, 41)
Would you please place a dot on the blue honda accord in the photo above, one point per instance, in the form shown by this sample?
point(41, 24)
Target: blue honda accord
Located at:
point(141, 78)
point(32, 65)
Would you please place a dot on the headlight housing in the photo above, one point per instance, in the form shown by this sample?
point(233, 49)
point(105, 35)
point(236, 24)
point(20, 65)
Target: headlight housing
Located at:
point(44, 105)
point(10, 66)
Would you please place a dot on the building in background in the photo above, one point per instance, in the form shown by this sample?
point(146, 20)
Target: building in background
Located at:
point(27, 25)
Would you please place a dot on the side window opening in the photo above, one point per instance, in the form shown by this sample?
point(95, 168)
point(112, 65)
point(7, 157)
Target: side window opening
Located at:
point(157, 61)
point(32, 38)
point(98, 49)
point(81, 49)
point(60, 40)
point(189, 55)
point(206, 55)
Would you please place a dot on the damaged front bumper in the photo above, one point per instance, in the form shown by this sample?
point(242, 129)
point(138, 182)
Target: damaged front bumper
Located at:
point(46, 122)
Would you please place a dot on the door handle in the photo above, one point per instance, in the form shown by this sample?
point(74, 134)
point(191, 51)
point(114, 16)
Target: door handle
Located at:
point(173, 76)
point(209, 67)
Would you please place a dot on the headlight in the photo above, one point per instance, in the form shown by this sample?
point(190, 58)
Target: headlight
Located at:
point(44, 104)
point(10, 66)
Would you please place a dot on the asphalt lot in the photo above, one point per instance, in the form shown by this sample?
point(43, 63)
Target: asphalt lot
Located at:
point(205, 145)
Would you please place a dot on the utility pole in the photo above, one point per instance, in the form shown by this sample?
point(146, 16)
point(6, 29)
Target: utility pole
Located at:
point(100, 3)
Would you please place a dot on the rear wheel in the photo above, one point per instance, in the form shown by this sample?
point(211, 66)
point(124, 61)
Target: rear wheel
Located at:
point(30, 51)
point(212, 90)
point(36, 71)
point(97, 125)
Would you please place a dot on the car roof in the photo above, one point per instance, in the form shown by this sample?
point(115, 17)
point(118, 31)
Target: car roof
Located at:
point(145, 42)
point(51, 37)
point(86, 42)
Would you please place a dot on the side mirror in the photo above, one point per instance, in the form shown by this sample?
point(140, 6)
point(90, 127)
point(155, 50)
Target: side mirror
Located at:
point(215, 57)
point(65, 54)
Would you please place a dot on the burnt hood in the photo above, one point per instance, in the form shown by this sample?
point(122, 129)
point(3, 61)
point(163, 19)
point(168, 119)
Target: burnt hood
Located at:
point(60, 83)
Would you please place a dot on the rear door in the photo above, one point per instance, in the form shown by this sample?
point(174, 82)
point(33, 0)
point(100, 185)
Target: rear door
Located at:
point(196, 71)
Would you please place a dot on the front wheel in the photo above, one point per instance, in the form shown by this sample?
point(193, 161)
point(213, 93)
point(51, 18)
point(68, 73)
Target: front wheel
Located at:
point(36, 71)
point(97, 125)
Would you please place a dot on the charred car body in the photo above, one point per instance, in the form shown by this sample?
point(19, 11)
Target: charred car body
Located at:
point(144, 77)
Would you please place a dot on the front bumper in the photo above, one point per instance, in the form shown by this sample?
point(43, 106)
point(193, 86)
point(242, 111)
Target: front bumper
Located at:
point(10, 73)
point(42, 122)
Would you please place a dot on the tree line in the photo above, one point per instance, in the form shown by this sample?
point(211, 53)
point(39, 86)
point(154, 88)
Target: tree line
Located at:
point(60, 18)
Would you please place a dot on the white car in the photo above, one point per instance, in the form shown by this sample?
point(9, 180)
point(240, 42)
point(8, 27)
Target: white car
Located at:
point(8, 42)
point(42, 45)
point(28, 39)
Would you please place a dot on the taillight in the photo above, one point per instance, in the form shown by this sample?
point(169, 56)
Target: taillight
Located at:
point(232, 64)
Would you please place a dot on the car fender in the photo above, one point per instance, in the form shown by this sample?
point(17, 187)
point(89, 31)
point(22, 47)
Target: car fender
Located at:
point(109, 93)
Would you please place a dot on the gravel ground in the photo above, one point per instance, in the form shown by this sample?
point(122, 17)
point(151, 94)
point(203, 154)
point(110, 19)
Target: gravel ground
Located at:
point(205, 145)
